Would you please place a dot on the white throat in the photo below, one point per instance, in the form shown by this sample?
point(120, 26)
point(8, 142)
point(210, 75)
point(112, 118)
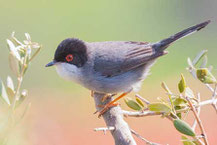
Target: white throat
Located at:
point(69, 72)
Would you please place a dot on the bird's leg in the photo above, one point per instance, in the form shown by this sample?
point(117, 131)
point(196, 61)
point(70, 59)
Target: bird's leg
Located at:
point(107, 96)
point(111, 104)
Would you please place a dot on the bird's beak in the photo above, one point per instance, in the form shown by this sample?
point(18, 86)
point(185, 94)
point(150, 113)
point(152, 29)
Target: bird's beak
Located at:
point(51, 63)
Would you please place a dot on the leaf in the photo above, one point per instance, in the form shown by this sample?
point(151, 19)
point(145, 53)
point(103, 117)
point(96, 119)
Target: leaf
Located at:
point(11, 94)
point(28, 36)
point(190, 63)
point(205, 76)
point(199, 56)
point(13, 49)
point(180, 102)
point(204, 62)
point(165, 87)
point(15, 39)
point(132, 104)
point(10, 83)
point(183, 127)
point(189, 93)
point(10, 89)
point(159, 107)
point(182, 84)
point(14, 64)
point(186, 141)
point(3, 93)
point(140, 102)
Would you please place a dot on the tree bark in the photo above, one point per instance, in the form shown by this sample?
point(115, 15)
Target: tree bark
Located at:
point(114, 118)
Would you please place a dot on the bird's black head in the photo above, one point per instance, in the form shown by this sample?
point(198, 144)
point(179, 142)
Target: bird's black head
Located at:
point(72, 51)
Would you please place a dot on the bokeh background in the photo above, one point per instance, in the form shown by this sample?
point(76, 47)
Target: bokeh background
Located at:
point(62, 112)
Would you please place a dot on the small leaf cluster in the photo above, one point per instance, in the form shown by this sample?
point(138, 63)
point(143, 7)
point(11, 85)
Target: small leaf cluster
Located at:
point(21, 55)
point(202, 72)
point(177, 107)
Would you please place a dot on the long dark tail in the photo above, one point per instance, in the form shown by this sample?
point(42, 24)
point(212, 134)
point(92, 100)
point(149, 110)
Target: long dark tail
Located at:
point(163, 44)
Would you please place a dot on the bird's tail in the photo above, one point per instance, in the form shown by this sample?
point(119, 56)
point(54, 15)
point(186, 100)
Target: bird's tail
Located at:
point(163, 44)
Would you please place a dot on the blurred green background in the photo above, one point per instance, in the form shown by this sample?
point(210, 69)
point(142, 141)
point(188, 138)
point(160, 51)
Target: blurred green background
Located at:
point(56, 100)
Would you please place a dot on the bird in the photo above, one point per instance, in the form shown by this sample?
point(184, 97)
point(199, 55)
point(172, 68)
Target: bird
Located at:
point(111, 67)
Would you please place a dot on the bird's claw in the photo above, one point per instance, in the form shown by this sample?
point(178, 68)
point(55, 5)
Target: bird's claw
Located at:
point(107, 107)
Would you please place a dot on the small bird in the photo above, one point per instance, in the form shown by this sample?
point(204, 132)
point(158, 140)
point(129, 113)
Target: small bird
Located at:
point(113, 66)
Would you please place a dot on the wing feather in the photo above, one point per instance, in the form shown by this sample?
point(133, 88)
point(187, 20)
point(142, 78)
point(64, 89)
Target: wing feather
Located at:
point(115, 58)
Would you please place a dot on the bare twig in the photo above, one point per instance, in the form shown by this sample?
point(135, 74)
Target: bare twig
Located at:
point(143, 114)
point(104, 129)
point(198, 121)
point(111, 128)
point(206, 102)
point(142, 138)
point(198, 113)
point(210, 88)
point(214, 97)
point(140, 114)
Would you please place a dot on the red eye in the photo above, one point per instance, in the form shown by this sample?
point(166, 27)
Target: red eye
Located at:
point(69, 57)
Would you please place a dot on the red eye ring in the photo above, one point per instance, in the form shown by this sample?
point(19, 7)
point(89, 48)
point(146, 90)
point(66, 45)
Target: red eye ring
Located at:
point(69, 57)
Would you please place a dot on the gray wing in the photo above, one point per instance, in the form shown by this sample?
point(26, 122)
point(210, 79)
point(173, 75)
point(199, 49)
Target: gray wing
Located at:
point(114, 58)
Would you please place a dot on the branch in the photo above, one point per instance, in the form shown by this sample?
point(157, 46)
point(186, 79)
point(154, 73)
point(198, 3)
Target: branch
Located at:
point(214, 97)
point(104, 129)
point(139, 113)
point(142, 138)
point(198, 121)
point(151, 113)
point(114, 117)
point(110, 128)
point(198, 113)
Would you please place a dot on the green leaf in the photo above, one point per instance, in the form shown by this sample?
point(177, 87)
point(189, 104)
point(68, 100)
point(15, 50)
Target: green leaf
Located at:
point(3, 93)
point(187, 141)
point(159, 107)
point(13, 49)
point(189, 93)
point(205, 76)
point(132, 104)
point(165, 87)
point(14, 64)
point(140, 102)
point(179, 102)
point(182, 84)
point(199, 57)
point(183, 127)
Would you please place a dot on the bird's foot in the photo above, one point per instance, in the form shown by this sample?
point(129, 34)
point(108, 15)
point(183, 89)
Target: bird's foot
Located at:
point(111, 104)
point(106, 107)
point(107, 96)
